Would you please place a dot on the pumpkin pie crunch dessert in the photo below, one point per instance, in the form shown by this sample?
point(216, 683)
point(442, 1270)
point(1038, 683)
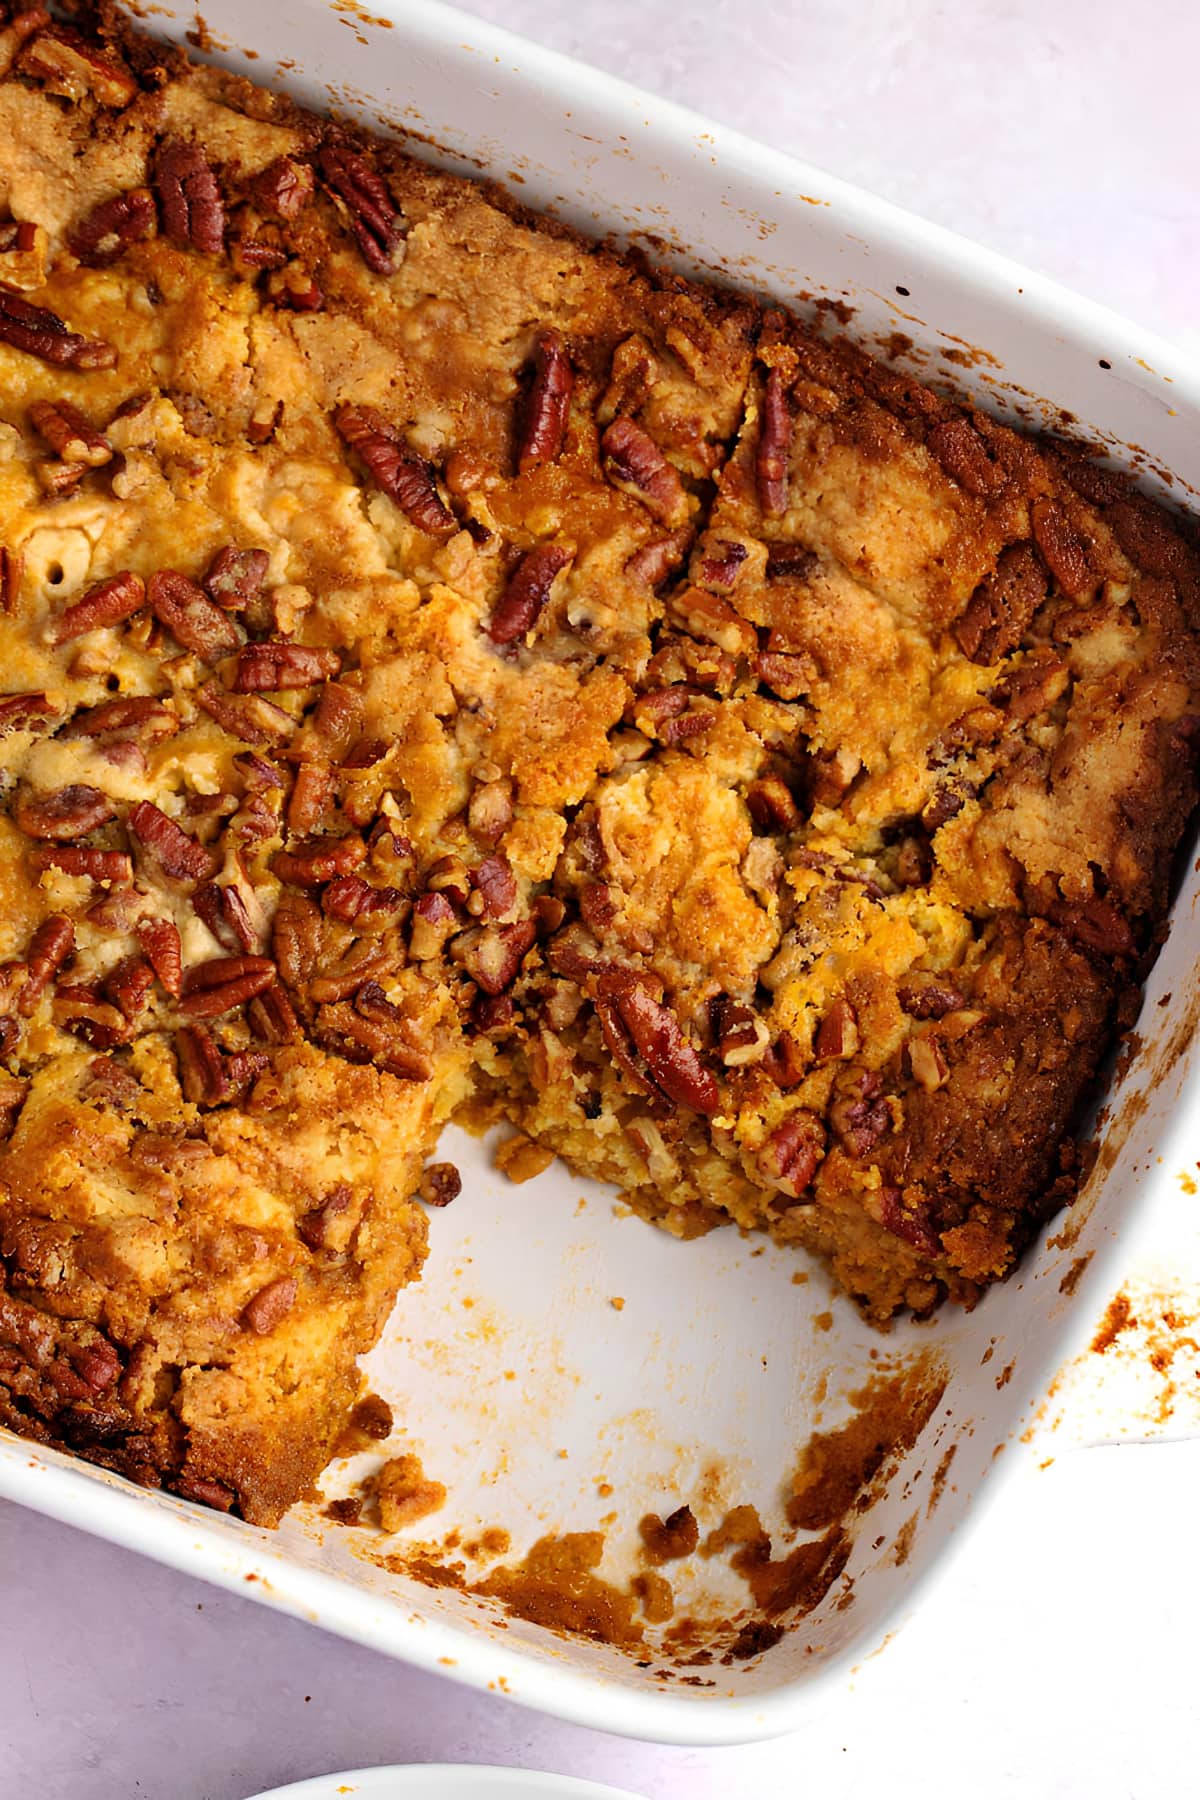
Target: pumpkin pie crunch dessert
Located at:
point(449, 668)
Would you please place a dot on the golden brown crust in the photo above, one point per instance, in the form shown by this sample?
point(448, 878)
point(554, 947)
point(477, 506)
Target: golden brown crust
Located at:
point(450, 664)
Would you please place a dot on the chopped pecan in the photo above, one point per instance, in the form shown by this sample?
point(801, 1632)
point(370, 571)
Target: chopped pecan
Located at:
point(946, 803)
point(68, 433)
point(634, 463)
point(933, 1000)
point(831, 774)
point(159, 939)
point(784, 1061)
point(133, 717)
point(790, 562)
point(128, 984)
point(912, 1224)
point(348, 896)
point(272, 1017)
point(107, 603)
point(635, 1026)
point(999, 612)
point(788, 676)
point(722, 571)
point(225, 982)
point(12, 566)
point(496, 885)
point(190, 616)
point(13, 1094)
point(494, 957)
point(249, 717)
point(440, 1184)
point(363, 962)
point(371, 1029)
point(62, 817)
point(859, 1112)
point(202, 1073)
point(309, 797)
point(295, 288)
point(296, 938)
point(492, 1014)
point(52, 943)
point(1097, 924)
point(655, 561)
point(235, 576)
point(177, 854)
point(10, 1032)
point(741, 1036)
point(82, 1012)
point(112, 866)
point(434, 920)
point(771, 804)
point(774, 443)
point(193, 212)
point(549, 913)
point(544, 420)
point(42, 333)
point(271, 1305)
point(1063, 550)
point(284, 188)
point(837, 1035)
point(490, 810)
point(110, 1083)
point(597, 908)
point(56, 479)
point(404, 476)
point(274, 667)
point(112, 226)
point(958, 447)
point(310, 865)
point(316, 1228)
point(373, 212)
point(1040, 679)
point(65, 63)
point(23, 712)
point(528, 590)
point(789, 1158)
point(225, 913)
point(927, 1061)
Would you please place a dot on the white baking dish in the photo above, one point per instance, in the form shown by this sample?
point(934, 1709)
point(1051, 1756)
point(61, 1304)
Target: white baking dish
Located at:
point(716, 1358)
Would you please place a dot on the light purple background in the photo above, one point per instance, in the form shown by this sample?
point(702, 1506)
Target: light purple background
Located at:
point(1058, 1656)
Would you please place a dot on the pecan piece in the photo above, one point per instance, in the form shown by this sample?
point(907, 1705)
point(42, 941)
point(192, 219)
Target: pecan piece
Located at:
point(82, 1012)
point(634, 463)
point(999, 612)
point(128, 984)
point(434, 920)
point(310, 865)
point(496, 886)
point(50, 946)
point(112, 866)
point(271, 1305)
point(740, 1034)
point(310, 796)
point(274, 667)
point(490, 810)
point(927, 1061)
point(202, 1074)
point(284, 188)
point(373, 212)
point(107, 603)
point(771, 805)
point(837, 1035)
point(912, 1224)
point(655, 561)
point(193, 212)
point(1097, 924)
point(527, 592)
point(860, 1113)
point(404, 476)
point(958, 447)
point(1063, 550)
point(217, 986)
point(932, 1001)
point(178, 855)
point(235, 576)
point(133, 718)
point(251, 718)
point(12, 565)
point(722, 571)
point(774, 443)
point(494, 958)
point(68, 433)
point(65, 63)
point(190, 616)
point(316, 1227)
point(272, 1017)
point(790, 1157)
point(64, 816)
point(790, 562)
point(22, 712)
point(159, 939)
point(634, 1026)
point(225, 913)
point(544, 421)
point(440, 1184)
point(40, 332)
point(111, 227)
point(788, 676)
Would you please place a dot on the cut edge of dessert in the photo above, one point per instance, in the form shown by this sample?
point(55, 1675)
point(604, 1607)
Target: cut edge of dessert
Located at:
point(456, 671)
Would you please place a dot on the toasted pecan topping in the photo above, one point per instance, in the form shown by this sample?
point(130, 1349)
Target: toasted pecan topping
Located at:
point(859, 1113)
point(789, 1158)
point(100, 237)
point(249, 717)
point(190, 616)
point(275, 667)
point(527, 592)
point(1063, 550)
point(634, 463)
point(50, 946)
point(159, 939)
point(41, 333)
point(837, 1035)
point(964, 456)
point(544, 420)
point(63, 816)
point(404, 476)
point(271, 1305)
point(999, 612)
point(177, 854)
point(284, 188)
point(64, 62)
point(440, 1184)
point(309, 865)
point(68, 433)
point(373, 213)
point(217, 986)
point(927, 1060)
point(112, 866)
point(774, 444)
point(772, 805)
point(272, 1017)
point(21, 712)
point(107, 603)
point(11, 568)
point(645, 1040)
point(193, 212)
point(235, 576)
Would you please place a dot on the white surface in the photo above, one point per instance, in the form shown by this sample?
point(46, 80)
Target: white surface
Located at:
point(443, 1781)
point(131, 1691)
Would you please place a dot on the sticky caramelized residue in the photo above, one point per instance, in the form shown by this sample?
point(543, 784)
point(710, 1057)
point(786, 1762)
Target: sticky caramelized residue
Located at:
point(903, 1541)
point(1119, 1316)
point(938, 1484)
point(666, 1540)
point(838, 1469)
point(797, 1582)
point(368, 1425)
point(1071, 1279)
point(655, 1595)
point(557, 1586)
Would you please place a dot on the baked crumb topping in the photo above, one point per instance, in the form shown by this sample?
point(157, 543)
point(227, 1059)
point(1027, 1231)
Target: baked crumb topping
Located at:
point(452, 669)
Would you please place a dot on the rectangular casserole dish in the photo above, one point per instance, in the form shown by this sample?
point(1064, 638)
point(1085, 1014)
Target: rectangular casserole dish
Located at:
point(717, 1368)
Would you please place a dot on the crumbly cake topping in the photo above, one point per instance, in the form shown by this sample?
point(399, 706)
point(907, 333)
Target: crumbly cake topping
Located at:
point(450, 666)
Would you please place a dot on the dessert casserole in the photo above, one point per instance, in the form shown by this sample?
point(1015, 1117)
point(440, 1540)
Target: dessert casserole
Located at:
point(453, 670)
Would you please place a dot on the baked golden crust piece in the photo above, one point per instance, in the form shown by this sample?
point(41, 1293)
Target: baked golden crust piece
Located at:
point(452, 669)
